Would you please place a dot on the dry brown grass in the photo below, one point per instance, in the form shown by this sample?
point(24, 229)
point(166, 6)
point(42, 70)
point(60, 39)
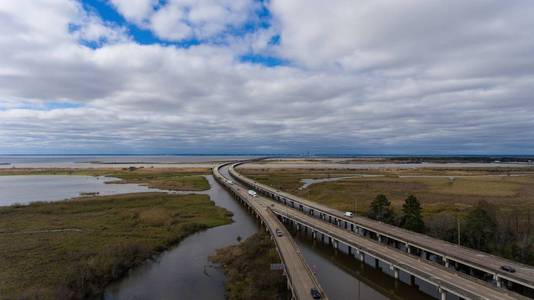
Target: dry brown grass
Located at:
point(436, 190)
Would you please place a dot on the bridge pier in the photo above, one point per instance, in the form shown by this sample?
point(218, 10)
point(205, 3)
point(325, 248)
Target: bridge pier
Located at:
point(498, 280)
point(336, 244)
point(350, 249)
point(443, 293)
point(395, 271)
point(314, 234)
point(412, 280)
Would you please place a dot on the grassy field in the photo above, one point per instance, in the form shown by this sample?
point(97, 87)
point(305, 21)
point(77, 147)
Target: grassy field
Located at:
point(73, 249)
point(447, 196)
point(247, 270)
point(190, 179)
point(437, 189)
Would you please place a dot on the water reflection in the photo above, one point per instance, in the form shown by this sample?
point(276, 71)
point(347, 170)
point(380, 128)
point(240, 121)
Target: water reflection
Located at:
point(343, 277)
point(185, 272)
point(24, 189)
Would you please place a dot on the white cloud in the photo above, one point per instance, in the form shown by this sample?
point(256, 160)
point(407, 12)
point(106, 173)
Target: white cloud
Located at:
point(362, 76)
point(137, 11)
point(182, 19)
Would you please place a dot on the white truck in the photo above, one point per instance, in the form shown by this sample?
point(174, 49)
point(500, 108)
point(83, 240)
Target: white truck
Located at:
point(348, 214)
point(252, 193)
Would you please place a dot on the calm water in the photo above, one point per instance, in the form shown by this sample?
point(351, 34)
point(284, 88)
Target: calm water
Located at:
point(113, 161)
point(24, 189)
point(185, 272)
point(344, 277)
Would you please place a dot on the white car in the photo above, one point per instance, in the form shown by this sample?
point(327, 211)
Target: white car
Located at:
point(348, 214)
point(252, 193)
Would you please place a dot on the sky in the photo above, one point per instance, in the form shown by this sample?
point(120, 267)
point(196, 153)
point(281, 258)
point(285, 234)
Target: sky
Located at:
point(273, 76)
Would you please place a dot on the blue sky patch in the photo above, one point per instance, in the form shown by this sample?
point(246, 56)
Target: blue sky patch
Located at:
point(266, 60)
point(50, 105)
point(260, 21)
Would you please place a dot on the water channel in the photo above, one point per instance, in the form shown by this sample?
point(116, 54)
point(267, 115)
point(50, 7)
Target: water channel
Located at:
point(185, 272)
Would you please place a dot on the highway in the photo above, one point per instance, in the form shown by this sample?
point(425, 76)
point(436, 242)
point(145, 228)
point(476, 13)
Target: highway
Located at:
point(300, 277)
point(450, 252)
point(440, 277)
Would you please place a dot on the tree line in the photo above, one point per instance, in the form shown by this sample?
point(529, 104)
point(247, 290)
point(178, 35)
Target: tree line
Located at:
point(482, 227)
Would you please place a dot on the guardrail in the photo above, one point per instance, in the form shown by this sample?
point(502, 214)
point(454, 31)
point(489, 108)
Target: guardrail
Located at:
point(405, 238)
point(235, 190)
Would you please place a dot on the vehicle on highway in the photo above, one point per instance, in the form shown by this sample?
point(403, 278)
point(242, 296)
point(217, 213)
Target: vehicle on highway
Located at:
point(230, 182)
point(252, 193)
point(279, 233)
point(509, 269)
point(315, 293)
point(348, 214)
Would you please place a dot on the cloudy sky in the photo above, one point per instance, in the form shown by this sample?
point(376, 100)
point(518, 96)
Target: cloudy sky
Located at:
point(278, 76)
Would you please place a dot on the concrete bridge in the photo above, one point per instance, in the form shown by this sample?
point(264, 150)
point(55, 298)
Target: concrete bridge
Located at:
point(452, 269)
point(300, 279)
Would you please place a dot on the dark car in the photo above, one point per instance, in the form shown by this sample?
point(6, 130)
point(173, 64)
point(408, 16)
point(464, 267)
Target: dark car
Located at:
point(508, 269)
point(315, 294)
point(279, 232)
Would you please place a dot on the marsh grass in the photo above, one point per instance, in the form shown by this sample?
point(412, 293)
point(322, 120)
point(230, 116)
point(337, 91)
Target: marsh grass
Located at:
point(437, 189)
point(73, 249)
point(247, 269)
point(174, 179)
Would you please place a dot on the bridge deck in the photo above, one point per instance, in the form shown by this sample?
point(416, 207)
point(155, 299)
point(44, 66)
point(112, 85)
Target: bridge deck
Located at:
point(448, 280)
point(300, 275)
point(492, 264)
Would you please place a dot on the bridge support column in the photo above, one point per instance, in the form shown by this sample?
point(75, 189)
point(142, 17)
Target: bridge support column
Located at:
point(362, 257)
point(498, 280)
point(330, 240)
point(336, 244)
point(377, 263)
point(446, 262)
point(314, 234)
point(350, 250)
point(408, 249)
point(298, 227)
point(395, 271)
point(379, 238)
point(443, 293)
point(412, 280)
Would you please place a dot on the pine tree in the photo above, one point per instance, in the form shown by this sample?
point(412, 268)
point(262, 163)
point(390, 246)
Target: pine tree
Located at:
point(412, 219)
point(480, 228)
point(381, 209)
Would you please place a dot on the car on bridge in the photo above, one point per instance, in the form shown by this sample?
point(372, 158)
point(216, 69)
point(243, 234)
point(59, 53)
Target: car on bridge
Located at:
point(509, 269)
point(315, 294)
point(252, 193)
